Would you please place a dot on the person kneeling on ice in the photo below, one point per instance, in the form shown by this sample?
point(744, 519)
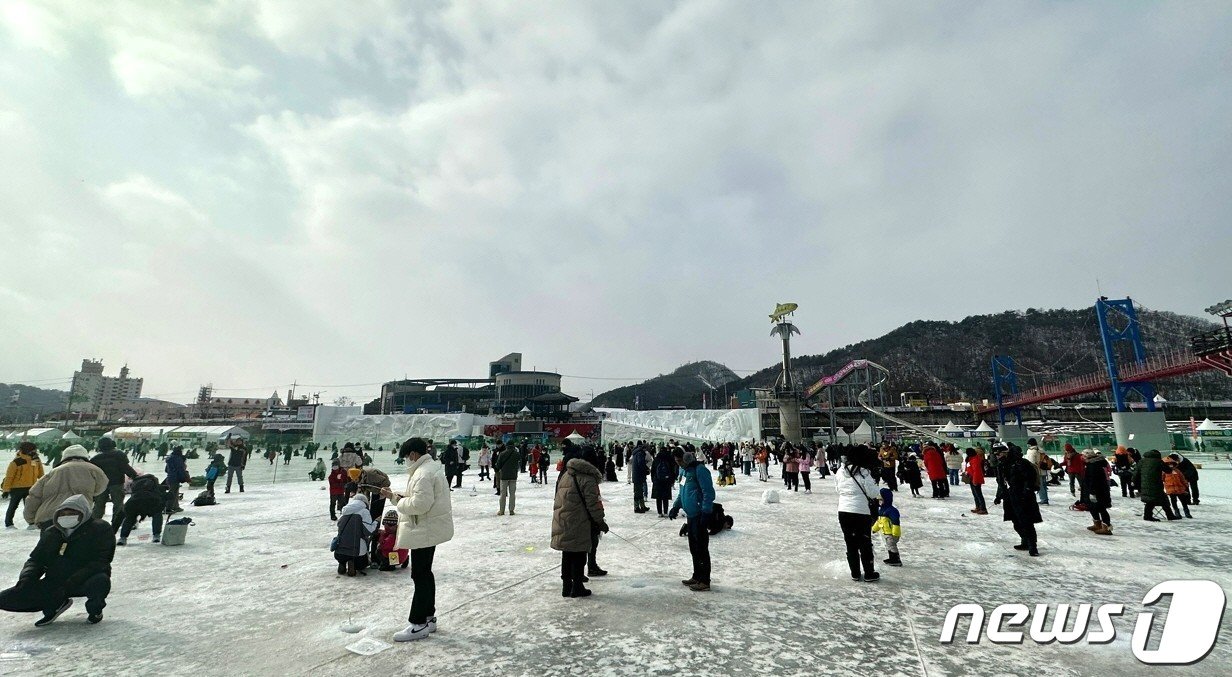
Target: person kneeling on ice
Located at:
point(890, 526)
point(355, 527)
point(425, 520)
point(149, 498)
point(389, 554)
point(72, 559)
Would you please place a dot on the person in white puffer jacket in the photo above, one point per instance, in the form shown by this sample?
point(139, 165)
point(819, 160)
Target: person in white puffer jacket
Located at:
point(856, 488)
point(425, 520)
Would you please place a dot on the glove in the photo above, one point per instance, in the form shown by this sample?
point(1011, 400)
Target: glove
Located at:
point(4, 495)
point(671, 514)
point(604, 528)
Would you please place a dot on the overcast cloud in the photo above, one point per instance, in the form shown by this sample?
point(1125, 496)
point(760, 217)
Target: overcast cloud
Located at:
point(248, 192)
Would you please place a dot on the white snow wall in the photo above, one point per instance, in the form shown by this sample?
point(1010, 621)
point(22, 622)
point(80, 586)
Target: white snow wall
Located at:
point(349, 424)
point(699, 425)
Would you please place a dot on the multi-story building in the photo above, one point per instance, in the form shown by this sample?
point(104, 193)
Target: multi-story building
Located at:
point(92, 391)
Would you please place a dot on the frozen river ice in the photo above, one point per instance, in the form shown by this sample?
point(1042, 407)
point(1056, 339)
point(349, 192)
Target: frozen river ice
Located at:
point(254, 591)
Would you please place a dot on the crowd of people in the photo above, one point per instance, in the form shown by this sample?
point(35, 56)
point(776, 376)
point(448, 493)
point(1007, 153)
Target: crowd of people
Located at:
point(76, 545)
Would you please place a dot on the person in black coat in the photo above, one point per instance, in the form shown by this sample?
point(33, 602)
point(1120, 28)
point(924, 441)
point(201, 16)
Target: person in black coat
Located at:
point(1190, 472)
point(177, 473)
point(1021, 482)
point(72, 559)
point(114, 463)
point(663, 473)
point(639, 472)
point(452, 462)
point(1096, 494)
point(149, 498)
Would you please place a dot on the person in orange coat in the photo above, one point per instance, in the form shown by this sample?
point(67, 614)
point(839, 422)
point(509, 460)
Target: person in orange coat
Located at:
point(1176, 487)
point(535, 456)
point(934, 465)
point(1075, 467)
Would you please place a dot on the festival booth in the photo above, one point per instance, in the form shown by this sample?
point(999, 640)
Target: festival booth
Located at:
point(864, 434)
point(139, 433)
point(1212, 436)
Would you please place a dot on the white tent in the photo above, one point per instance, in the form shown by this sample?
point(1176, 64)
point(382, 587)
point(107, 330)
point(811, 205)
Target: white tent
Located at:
point(43, 435)
point(139, 432)
point(71, 437)
point(575, 437)
point(984, 430)
point(863, 434)
point(204, 434)
point(1209, 428)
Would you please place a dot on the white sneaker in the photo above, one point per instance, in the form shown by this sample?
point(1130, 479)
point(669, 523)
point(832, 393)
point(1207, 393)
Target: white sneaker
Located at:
point(413, 632)
point(431, 624)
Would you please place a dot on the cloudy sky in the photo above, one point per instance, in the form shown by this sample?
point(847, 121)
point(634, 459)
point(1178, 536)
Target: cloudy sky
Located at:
point(250, 192)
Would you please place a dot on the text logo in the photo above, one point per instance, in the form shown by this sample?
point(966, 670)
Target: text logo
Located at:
point(1187, 636)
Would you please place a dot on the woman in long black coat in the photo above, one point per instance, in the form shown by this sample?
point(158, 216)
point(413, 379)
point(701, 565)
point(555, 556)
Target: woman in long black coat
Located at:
point(1022, 481)
point(1096, 495)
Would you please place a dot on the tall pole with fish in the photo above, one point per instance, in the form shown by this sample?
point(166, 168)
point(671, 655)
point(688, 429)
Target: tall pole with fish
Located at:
point(785, 387)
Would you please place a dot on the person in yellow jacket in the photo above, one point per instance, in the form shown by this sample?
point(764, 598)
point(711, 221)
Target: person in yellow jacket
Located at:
point(888, 523)
point(24, 470)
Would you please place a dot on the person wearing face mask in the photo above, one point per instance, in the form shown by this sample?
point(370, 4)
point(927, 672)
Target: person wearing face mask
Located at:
point(72, 559)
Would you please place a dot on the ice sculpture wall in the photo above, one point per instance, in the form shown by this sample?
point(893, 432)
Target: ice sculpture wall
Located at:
point(698, 425)
point(349, 424)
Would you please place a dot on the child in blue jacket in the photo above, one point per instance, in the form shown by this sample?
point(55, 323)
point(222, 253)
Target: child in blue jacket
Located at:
point(890, 526)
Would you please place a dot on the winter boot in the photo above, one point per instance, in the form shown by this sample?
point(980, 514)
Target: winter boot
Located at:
point(580, 590)
point(1095, 527)
point(566, 589)
point(893, 560)
point(1033, 551)
point(122, 541)
point(1104, 530)
point(871, 577)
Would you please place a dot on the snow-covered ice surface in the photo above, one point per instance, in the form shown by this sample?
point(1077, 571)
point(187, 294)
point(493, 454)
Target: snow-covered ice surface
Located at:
point(254, 591)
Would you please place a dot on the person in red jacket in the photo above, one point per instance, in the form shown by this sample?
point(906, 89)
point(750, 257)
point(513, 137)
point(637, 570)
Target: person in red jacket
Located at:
point(974, 469)
point(1076, 468)
point(391, 556)
point(934, 465)
point(337, 490)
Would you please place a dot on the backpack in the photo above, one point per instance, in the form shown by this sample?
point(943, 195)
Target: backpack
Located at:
point(211, 473)
point(204, 498)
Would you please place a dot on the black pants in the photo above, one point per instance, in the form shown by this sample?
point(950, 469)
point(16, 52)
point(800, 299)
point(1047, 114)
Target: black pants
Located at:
point(792, 480)
point(1184, 499)
point(15, 496)
point(887, 476)
point(130, 522)
point(1026, 531)
point(804, 475)
point(639, 494)
point(1148, 508)
point(336, 503)
point(376, 508)
point(572, 568)
point(1193, 489)
point(940, 488)
point(423, 603)
point(663, 505)
point(46, 596)
point(858, 536)
point(591, 557)
point(699, 548)
point(977, 492)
